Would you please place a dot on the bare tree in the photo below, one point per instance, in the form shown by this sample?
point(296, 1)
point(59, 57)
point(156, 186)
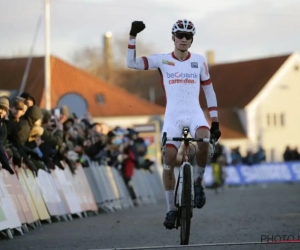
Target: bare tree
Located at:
point(89, 59)
point(92, 59)
point(121, 44)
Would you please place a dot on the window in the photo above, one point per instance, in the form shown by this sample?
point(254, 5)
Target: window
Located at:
point(76, 103)
point(100, 98)
point(282, 119)
point(275, 119)
point(268, 120)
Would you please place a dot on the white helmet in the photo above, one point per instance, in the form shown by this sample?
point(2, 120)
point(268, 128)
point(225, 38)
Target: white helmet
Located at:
point(184, 26)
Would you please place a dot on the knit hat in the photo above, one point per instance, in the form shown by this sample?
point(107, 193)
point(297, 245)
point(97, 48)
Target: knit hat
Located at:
point(4, 103)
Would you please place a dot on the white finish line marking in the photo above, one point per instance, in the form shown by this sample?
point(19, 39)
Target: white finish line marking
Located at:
point(205, 245)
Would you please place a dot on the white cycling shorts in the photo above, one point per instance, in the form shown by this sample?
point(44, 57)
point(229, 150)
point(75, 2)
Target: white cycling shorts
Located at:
point(174, 124)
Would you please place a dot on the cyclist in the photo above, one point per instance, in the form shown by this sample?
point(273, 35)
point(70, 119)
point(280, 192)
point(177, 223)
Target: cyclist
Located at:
point(182, 74)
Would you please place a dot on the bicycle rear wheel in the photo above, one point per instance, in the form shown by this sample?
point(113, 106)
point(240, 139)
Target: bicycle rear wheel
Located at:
point(186, 206)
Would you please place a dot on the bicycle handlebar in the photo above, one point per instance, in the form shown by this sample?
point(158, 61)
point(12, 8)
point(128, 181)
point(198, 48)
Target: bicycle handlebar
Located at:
point(165, 139)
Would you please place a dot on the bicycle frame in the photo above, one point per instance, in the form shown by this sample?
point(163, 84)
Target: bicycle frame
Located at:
point(179, 184)
point(185, 160)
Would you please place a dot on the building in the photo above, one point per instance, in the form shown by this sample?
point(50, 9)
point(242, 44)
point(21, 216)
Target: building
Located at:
point(79, 90)
point(263, 94)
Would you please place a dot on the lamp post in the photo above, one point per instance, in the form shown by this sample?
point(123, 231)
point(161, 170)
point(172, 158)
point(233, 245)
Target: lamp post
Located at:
point(47, 87)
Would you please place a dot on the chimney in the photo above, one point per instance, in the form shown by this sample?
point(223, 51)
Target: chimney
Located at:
point(107, 53)
point(210, 57)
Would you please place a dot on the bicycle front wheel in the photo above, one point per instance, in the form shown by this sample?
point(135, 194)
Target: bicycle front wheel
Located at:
point(186, 206)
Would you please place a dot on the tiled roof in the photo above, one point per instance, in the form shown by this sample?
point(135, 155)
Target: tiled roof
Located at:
point(140, 82)
point(12, 71)
point(66, 78)
point(236, 84)
point(230, 125)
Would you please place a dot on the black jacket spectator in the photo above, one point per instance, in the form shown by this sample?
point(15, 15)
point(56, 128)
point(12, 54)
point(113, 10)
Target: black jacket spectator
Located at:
point(27, 122)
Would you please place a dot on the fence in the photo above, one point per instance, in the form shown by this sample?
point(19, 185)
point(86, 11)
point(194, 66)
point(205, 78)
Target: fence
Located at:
point(260, 173)
point(26, 200)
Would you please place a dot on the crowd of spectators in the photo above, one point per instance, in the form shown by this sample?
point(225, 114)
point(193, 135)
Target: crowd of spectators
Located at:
point(291, 154)
point(251, 158)
point(44, 139)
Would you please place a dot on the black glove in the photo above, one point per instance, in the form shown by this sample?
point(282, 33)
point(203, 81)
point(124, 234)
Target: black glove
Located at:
point(31, 153)
point(4, 160)
point(31, 166)
point(17, 160)
point(8, 168)
point(42, 165)
point(136, 27)
point(215, 131)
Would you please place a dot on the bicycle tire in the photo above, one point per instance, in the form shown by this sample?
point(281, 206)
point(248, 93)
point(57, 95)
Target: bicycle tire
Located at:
point(186, 206)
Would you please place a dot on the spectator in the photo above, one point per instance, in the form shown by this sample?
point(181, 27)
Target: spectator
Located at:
point(17, 109)
point(114, 147)
point(140, 149)
point(53, 129)
point(296, 155)
point(259, 156)
point(218, 153)
point(4, 107)
point(288, 154)
point(28, 99)
point(218, 161)
point(128, 164)
point(12, 144)
point(236, 156)
point(64, 114)
point(249, 158)
point(52, 138)
point(32, 117)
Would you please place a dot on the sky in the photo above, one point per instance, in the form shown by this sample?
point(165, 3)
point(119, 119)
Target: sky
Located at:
point(234, 29)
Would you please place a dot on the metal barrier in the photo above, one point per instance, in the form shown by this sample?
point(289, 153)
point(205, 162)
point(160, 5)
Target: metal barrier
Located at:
point(26, 200)
point(126, 200)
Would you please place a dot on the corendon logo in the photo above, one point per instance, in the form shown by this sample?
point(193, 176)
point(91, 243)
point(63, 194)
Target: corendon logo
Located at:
point(178, 77)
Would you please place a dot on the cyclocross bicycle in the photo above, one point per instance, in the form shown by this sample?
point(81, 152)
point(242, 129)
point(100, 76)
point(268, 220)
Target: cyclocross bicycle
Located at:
point(184, 190)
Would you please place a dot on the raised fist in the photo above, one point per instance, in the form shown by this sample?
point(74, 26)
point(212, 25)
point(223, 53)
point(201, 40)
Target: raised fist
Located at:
point(136, 27)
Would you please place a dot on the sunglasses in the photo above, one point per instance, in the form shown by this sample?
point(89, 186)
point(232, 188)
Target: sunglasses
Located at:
point(181, 35)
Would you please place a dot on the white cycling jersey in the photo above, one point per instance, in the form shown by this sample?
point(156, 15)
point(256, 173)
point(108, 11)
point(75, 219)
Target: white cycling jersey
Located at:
point(181, 81)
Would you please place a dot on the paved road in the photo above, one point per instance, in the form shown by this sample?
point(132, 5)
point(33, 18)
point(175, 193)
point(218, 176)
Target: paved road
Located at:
point(236, 215)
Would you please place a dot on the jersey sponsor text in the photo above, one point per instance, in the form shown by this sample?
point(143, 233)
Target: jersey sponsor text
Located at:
point(185, 78)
